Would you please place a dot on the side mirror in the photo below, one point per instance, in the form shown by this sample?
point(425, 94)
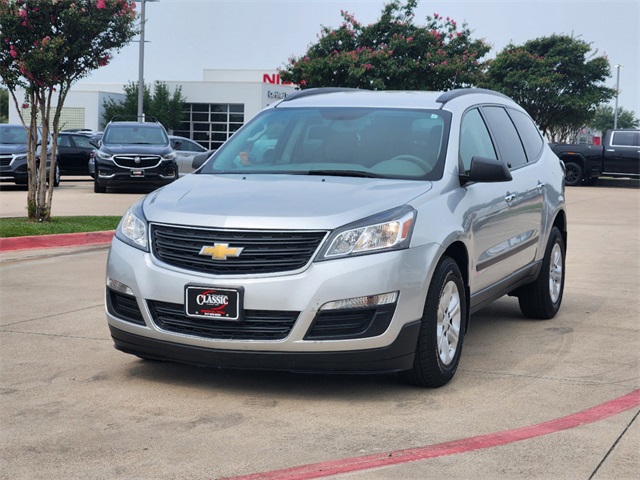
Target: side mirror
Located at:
point(486, 170)
point(175, 144)
point(95, 140)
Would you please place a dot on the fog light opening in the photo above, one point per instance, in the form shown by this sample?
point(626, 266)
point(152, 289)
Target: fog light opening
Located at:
point(361, 302)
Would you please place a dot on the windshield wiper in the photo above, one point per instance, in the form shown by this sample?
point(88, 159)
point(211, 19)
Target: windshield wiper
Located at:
point(343, 173)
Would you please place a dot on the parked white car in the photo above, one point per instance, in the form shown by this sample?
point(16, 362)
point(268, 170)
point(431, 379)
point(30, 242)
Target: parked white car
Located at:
point(186, 149)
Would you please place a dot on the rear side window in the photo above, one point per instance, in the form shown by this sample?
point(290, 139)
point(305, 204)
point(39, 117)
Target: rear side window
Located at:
point(475, 140)
point(64, 141)
point(506, 136)
point(529, 134)
point(82, 141)
point(625, 139)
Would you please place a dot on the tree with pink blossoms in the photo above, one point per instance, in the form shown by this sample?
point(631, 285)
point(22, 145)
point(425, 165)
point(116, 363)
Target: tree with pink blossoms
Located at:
point(45, 47)
point(392, 54)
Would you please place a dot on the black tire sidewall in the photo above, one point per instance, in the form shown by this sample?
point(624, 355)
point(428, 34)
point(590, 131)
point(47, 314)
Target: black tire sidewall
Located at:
point(555, 238)
point(535, 298)
point(56, 176)
point(433, 370)
point(573, 167)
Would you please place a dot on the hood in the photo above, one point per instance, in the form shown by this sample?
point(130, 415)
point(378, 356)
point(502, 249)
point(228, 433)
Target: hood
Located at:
point(128, 149)
point(12, 148)
point(276, 201)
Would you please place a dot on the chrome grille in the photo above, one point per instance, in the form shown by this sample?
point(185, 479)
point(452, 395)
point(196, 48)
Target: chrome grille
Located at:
point(143, 161)
point(263, 251)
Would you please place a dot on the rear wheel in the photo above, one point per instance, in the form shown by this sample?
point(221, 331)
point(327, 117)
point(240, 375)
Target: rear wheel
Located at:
point(542, 298)
point(442, 331)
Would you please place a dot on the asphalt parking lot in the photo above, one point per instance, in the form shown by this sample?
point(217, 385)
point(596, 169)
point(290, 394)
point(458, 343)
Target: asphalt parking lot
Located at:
point(555, 399)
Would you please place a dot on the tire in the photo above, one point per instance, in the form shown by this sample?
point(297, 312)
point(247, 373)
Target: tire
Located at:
point(573, 174)
point(56, 176)
point(442, 332)
point(97, 188)
point(542, 298)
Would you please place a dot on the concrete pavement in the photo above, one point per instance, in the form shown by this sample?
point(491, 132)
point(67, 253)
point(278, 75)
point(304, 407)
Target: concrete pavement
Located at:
point(73, 407)
point(74, 197)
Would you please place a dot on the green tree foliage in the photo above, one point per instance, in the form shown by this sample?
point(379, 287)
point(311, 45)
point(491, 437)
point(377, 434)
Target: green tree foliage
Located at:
point(391, 54)
point(162, 104)
point(555, 79)
point(4, 105)
point(604, 119)
point(46, 46)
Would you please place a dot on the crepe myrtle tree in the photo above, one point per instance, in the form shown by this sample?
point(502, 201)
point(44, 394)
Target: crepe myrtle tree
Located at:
point(392, 54)
point(45, 46)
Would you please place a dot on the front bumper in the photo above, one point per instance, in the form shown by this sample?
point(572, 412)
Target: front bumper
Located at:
point(16, 172)
point(397, 356)
point(112, 176)
point(389, 348)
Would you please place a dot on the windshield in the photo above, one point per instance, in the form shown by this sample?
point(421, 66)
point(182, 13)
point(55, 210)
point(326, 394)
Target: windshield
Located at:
point(135, 135)
point(13, 135)
point(371, 142)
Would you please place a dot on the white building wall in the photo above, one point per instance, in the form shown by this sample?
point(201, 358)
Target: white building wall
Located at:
point(255, 89)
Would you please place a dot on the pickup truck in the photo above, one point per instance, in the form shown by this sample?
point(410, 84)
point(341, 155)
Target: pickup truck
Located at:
point(619, 156)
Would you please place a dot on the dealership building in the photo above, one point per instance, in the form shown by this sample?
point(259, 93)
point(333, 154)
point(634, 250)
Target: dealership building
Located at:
point(214, 108)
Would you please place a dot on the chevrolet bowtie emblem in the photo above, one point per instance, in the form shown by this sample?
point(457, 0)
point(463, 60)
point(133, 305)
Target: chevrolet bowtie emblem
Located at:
point(220, 251)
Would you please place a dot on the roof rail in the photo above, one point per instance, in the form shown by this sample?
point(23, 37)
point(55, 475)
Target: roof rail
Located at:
point(319, 91)
point(459, 92)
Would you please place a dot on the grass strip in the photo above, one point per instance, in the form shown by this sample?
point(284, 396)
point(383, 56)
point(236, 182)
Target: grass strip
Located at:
point(21, 227)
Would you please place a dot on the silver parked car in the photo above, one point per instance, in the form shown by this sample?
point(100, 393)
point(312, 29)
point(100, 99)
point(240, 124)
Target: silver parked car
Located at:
point(186, 150)
point(346, 231)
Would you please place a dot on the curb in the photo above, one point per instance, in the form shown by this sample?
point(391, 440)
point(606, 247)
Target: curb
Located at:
point(54, 241)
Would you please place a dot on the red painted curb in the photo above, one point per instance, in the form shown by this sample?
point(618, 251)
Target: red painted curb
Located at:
point(337, 467)
point(52, 241)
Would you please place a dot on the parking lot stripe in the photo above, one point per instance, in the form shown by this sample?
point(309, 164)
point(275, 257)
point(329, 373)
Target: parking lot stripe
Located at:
point(337, 467)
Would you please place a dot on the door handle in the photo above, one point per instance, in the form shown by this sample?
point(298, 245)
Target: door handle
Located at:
point(510, 198)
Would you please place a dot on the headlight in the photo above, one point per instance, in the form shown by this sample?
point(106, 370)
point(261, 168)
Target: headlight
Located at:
point(133, 228)
point(103, 155)
point(169, 156)
point(389, 230)
point(20, 158)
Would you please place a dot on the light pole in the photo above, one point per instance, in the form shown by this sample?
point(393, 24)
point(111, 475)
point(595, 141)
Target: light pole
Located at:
point(141, 63)
point(615, 114)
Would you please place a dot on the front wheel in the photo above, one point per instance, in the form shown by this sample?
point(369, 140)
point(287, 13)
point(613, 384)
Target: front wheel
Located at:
point(97, 188)
point(56, 176)
point(440, 339)
point(542, 298)
point(573, 174)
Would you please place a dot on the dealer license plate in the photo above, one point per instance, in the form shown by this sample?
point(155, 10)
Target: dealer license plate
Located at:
point(213, 302)
point(137, 173)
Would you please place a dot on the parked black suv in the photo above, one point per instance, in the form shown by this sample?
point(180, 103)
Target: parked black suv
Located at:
point(74, 150)
point(13, 155)
point(134, 154)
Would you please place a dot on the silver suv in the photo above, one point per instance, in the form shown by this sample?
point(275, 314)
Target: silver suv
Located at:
point(345, 231)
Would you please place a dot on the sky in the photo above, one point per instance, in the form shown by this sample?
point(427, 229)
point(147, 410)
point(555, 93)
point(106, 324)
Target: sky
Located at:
point(185, 37)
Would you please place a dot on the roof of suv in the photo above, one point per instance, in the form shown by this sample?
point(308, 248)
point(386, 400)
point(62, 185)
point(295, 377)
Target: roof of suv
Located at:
point(136, 124)
point(342, 97)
